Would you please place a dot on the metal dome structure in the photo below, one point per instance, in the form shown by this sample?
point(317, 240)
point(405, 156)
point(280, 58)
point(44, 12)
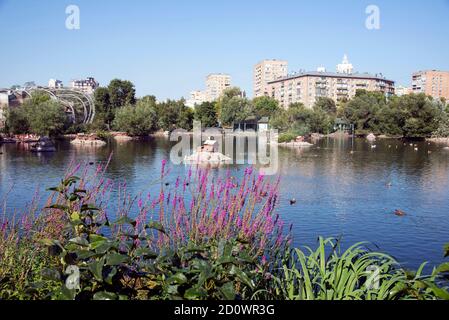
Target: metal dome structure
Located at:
point(80, 105)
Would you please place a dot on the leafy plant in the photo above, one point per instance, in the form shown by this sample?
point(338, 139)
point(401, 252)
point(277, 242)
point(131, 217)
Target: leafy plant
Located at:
point(92, 265)
point(355, 274)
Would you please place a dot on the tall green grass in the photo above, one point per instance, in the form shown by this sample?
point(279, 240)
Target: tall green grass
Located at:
point(357, 273)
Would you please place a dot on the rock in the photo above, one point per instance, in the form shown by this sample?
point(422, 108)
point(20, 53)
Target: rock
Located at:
point(207, 157)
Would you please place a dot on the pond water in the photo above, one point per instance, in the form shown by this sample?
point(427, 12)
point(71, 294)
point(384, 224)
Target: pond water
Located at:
point(343, 187)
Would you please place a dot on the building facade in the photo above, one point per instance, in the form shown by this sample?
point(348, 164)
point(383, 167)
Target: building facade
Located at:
point(402, 91)
point(431, 82)
point(197, 97)
point(55, 84)
point(88, 85)
point(216, 83)
point(307, 87)
point(266, 71)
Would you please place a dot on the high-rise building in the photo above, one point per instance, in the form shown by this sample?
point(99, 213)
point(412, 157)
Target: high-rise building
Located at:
point(307, 87)
point(266, 71)
point(216, 83)
point(87, 86)
point(431, 82)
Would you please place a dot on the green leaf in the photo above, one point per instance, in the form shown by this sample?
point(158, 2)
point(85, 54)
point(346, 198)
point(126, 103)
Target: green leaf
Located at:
point(88, 207)
point(228, 291)
point(242, 276)
point(113, 259)
point(67, 294)
point(104, 295)
point(195, 293)
point(96, 241)
point(74, 197)
point(110, 275)
point(75, 217)
point(104, 247)
point(156, 226)
point(125, 220)
point(96, 268)
point(146, 253)
point(178, 278)
point(79, 241)
point(56, 189)
point(443, 268)
point(446, 250)
point(69, 181)
point(58, 206)
point(84, 254)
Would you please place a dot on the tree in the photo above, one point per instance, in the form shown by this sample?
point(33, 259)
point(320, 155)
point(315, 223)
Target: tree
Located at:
point(299, 120)
point(326, 105)
point(419, 115)
point(280, 121)
point(38, 115)
point(321, 121)
point(48, 119)
point(232, 107)
point(104, 113)
point(265, 107)
point(121, 93)
point(363, 110)
point(17, 121)
point(207, 114)
point(174, 114)
point(138, 120)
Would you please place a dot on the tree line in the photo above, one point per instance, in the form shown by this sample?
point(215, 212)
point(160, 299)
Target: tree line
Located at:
point(117, 108)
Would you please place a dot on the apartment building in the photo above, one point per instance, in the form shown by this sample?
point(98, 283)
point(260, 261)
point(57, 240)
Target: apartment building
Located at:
point(431, 82)
point(266, 71)
point(87, 85)
point(402, 91)
point(197, 97)
point(216, 83)
point(307, 87)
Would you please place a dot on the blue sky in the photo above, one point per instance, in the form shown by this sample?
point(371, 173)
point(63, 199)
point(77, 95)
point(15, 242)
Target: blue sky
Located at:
point(168, 47)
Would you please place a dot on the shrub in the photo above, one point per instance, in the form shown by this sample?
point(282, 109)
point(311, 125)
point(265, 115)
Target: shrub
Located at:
point(287, 137)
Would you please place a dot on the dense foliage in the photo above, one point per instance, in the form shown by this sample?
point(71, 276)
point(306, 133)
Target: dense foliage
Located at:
point(138, 120)
point(410, 116)
point(206, 113)
point(39, 115)
point(414, 115)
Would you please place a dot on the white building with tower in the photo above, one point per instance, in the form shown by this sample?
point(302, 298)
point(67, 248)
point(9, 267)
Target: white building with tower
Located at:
point(345, 67)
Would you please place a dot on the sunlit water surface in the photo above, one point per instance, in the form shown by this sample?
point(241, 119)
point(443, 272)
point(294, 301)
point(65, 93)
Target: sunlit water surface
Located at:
point(343, 188)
